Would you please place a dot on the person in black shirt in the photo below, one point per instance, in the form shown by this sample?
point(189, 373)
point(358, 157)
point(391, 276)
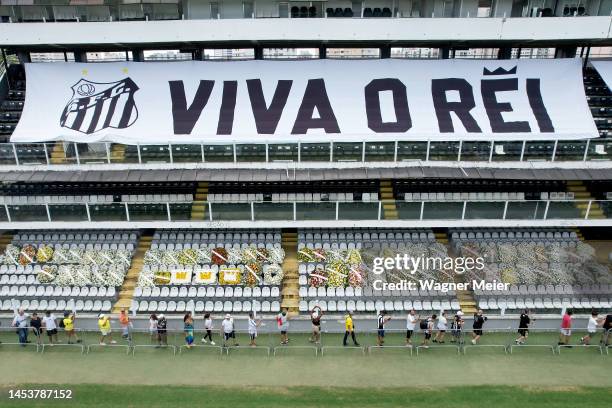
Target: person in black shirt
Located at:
point(479, 320)
point(457, 327)
point(382, 320)
point(523, 330)
point(315, 317)
point(607, 327)
point(162, 332)
point(36, 324)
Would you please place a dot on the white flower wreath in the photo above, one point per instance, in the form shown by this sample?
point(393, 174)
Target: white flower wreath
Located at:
point(273, 274)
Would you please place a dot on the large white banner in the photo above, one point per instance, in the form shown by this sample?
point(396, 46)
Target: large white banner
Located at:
point(307, 101)
point(605, 70)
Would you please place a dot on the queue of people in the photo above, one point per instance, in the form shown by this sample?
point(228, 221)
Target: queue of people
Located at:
point(434, 328)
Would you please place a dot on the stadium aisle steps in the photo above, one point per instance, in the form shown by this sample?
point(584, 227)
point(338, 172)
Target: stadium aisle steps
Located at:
point(291, 286)
point(441, 237)
point(581, 192)
point(124, 301)
point(117, 154)
point(388, 198)
point(58, 155)
point(5, 239)
point(467, 302)
point(198, 208)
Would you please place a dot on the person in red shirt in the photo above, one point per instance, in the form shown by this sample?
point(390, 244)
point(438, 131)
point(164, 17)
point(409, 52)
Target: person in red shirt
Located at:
point(566, 328)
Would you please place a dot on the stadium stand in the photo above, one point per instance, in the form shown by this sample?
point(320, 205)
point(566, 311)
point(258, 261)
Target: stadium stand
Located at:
point(65, 270)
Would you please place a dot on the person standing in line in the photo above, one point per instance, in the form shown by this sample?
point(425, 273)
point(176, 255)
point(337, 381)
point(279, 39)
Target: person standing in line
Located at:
point(36, 325)
point(566, 328)
point(208, 326)
point(594, 322)
point(479, 321)
point(68, 321)
point(457, 327)
point(126, 324)
point(315, 317)
point(429, 326)
point(227, 330)
point(523, 330)
point(607, 330)
point(411, 323)
point(20, 321)
point(188, 328)
point(283, 325)
point(381, 321)
point(50, 325)
point(442, 327)
point(153, 327)
point(349, 329)
point(253, 325)
point(162, 331)
point(104, 325)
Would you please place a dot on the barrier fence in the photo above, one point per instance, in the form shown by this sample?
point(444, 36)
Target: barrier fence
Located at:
point(268, 342)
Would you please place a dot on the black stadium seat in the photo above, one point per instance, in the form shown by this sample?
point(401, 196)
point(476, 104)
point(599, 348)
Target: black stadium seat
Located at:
point(348, 12)
point(377, 12)
point(367, 12)
point(312, 11)
point(386, 12)
point(295, 12)
point(330, 12)
point(303, 12)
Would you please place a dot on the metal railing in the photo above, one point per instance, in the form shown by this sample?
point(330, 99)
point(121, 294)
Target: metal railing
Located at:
point(68, 153)
point(310, 210)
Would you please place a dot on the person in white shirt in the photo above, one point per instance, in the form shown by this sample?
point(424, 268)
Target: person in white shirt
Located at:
point(208, 326)
point(20, 321)
point(442, 327)
point(592, 325)
point(227, 329)
point(253, 325)
point(50, 325)
point(153, 327)
point(283, 325)
point(410, 326)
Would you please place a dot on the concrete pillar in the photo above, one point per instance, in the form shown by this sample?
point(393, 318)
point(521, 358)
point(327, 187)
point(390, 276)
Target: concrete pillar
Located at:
point(138, 55)
point(565, 52)
point(504, 53)
point(80, 56)
point(322, 52)
point(385, 51)
point(23, 56)
point(258, 52)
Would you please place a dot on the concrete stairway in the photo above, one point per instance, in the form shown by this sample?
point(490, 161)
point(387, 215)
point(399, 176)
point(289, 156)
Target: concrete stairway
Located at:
point(581, 192)
point(198, 208)
point(117, 153)
point(5, 239)
point(290, 290)
point(131, 278)
point(388, 198)
point(58, 155)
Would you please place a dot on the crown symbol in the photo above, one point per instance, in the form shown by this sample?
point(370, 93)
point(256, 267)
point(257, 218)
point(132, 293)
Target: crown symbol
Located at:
point(499, 71)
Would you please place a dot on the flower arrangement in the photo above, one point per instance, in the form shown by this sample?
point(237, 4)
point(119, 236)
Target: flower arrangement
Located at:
point(276, 255)
point(249, 254)
point(206, 277)
point(337, 273)
point(44, 254)
point(318, 278)
point(262, 255)
point(219, 256)
point(203, 255)
point(47, 274)
point(273, 274)
point(250, 278)
point(170, 258)
point(27, 255)
point(146, 279)
point(180, 277)
point(306, 255)
point(162, 278)
point(230, 276)
point(153, 257)
point(234, 255)
point(11, 255)
point(187, 256)
point(353, 257)
point(320, 255)
point(60, 256)
point(357, 276)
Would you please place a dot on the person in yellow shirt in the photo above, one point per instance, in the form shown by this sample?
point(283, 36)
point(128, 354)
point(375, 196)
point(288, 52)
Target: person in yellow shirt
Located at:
point(69, 327)
point(105, 329)
point(349, 329)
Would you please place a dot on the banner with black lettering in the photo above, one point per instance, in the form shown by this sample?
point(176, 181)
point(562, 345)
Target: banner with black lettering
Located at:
point(307, 101)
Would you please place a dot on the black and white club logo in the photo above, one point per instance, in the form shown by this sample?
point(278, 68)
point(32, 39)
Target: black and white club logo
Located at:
point(95, 106)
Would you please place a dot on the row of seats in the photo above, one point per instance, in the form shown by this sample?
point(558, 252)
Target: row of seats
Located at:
point(91, 13)
point(371, 306)
point(597, 289)
point(374, 235)
point(157, 198)
point(512, 235)
point(54, 305)
point(210, 291)
point(464, 196)
point(200, 306)
point(42, 291)
point(194, 236)
point(291, 197)
point(369, 292)
point(78, 237)
point(179, 247)
point(59, 199)
point(543, 304)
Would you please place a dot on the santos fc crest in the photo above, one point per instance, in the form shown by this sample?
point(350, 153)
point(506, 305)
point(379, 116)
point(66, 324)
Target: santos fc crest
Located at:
point(95, 106)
